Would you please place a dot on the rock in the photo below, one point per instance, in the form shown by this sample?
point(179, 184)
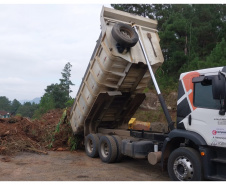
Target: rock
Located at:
point(169, 108)
point(150, 102)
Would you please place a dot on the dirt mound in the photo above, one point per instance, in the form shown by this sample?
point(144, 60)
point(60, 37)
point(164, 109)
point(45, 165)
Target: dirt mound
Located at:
point(52, 131)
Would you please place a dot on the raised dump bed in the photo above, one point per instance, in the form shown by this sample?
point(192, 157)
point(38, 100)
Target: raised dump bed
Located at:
point(112, 87)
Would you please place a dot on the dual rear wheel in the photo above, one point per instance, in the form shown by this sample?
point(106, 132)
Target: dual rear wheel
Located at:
point(107, 147)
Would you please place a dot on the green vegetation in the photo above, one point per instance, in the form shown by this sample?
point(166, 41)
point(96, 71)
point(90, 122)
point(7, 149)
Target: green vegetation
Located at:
point(73, 142)
point(5, 104)
point(27, 109)
point(56, 95)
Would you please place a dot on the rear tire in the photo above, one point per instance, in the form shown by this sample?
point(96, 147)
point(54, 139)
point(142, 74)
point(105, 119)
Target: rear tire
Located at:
point(184, 164)
point(91, 145)
point(107, 149)
point(118, 141)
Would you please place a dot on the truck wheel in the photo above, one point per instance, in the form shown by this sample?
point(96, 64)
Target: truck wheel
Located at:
point(124, 35)
point(184, 164)
point(107, 149)
point(91, 145)
point(118, 141)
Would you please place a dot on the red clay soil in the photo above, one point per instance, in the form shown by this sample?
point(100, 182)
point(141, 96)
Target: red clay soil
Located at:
point(21, 134)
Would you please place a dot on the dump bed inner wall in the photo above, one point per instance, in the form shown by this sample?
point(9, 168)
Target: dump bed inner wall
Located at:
point(112, 111)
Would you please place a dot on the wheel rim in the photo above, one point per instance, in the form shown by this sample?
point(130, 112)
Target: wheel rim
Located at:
point(104, 149)
point(183, 168)
point(90, 146)
point(125, 33)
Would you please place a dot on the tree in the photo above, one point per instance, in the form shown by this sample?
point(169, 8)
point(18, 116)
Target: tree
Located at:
point(27, 109)
point(4, 103)
point(65, 82)
point(14, 106)
point(217, 57)
point(173, 43)
point(56, 95)
point(46, 103)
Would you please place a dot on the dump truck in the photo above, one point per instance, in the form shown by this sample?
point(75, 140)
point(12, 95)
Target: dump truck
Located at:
point(125, 58)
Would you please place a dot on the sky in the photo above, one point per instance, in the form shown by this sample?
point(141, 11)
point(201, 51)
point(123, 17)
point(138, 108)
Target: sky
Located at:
point(36, 41)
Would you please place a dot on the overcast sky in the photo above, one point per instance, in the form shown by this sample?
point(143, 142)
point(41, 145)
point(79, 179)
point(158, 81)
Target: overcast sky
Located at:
point(36, 41)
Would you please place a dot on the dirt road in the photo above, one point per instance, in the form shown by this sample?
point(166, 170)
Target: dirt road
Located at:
point(75, 166)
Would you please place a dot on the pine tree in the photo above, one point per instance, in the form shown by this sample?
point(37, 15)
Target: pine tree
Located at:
point(56, 95)
point(4, 103)
point(14, 106)
point(65, 82)
point(217, 57)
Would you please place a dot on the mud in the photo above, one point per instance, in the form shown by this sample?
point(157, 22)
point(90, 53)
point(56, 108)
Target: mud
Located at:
point(75, 166)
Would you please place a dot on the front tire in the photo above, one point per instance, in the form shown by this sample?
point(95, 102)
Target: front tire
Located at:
point(184, 164)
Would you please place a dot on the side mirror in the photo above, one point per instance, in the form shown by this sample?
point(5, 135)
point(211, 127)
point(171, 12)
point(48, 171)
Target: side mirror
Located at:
point(218, 87)
point(219, 91)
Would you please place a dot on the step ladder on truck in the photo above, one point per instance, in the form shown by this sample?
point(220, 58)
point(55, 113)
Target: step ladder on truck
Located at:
point(126, 56)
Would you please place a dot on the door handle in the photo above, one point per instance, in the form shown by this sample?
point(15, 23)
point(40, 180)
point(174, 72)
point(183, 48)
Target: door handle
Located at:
point(189, 119)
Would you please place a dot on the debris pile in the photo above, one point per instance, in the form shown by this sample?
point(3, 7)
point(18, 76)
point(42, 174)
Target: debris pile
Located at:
point(51, 132)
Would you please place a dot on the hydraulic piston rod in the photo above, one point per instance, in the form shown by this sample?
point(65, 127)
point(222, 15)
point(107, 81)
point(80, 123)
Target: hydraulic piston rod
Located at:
point(161, 99)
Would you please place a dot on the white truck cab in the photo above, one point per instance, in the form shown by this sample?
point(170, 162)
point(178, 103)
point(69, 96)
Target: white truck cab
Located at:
point(197, 109)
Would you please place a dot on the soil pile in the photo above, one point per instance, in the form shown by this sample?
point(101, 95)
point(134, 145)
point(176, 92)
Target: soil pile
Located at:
point(52, 131)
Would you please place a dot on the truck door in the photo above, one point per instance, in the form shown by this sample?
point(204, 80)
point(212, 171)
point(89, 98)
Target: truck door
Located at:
point(205, 119)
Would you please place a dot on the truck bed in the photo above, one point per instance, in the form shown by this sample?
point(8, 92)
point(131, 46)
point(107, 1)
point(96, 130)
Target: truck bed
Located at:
point(112, 87)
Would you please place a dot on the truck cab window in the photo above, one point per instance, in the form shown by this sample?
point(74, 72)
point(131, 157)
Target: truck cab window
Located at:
point(203, 96)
